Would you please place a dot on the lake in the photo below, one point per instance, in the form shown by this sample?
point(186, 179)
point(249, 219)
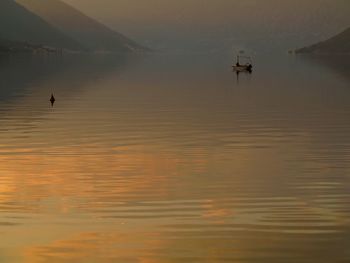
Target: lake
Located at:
point(174, 158)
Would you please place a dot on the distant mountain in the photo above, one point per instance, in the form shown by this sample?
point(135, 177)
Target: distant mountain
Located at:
point(339, 44)
point(87, 31)
point(17, 24)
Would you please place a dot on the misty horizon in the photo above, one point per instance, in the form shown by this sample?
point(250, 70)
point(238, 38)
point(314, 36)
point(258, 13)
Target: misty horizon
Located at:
point(207, 25)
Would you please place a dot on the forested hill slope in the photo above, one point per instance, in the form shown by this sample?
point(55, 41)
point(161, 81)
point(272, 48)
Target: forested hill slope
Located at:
point(20, 25)
point(85, 30)
point(339, 44)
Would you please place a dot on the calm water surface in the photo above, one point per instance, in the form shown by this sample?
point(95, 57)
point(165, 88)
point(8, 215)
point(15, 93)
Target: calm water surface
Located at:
point(173, 158)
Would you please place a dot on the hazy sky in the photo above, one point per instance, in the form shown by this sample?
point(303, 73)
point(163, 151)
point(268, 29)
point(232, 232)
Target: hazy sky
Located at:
point(200, 22)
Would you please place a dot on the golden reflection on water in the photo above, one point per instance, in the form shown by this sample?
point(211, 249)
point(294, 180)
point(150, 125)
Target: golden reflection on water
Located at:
point(135, 171)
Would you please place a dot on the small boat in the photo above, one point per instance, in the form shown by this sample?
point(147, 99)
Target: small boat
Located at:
point(238, 67)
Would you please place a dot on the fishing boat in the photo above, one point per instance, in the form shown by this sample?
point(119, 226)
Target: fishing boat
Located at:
point(247, 67)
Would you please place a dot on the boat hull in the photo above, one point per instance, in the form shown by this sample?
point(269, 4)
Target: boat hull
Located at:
point(242, 68)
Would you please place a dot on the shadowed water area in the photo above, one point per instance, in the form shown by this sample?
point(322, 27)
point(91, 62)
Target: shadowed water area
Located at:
point(174, 158)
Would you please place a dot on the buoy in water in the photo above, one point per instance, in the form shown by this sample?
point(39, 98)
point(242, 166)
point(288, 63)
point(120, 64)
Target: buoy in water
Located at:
point(52, 99)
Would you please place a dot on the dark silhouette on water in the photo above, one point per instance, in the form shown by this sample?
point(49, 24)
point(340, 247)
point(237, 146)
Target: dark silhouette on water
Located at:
point(248, 67)
point(52, 100)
